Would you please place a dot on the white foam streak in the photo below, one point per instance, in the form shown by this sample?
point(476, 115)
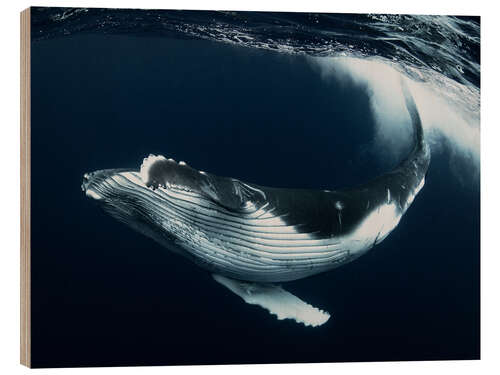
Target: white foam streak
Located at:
point(448, 109)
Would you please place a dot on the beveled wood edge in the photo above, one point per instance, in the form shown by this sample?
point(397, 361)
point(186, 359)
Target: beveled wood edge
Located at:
point(25, 189)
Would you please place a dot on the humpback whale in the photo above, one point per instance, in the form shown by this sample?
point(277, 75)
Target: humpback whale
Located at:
point(252, 238)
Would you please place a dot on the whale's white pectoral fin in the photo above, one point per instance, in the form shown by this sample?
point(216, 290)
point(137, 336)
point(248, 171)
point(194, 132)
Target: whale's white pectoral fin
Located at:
point(276, 300)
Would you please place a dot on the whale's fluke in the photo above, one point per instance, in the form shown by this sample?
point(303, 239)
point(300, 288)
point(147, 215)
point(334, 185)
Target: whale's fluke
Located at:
point(276, 300)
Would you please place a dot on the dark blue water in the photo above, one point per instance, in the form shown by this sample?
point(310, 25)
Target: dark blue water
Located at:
point(104, 295)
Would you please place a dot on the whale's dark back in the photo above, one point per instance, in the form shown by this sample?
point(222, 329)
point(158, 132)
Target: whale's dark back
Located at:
point(318, 212)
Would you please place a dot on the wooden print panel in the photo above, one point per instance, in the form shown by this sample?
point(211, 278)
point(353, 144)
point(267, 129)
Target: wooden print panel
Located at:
point(25, 148)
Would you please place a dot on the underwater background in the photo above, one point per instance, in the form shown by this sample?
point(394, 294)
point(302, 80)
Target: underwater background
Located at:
point(277, 99)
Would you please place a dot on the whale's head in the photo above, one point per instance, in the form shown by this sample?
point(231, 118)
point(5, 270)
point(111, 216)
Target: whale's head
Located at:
point(172, 202)
point(162, 177)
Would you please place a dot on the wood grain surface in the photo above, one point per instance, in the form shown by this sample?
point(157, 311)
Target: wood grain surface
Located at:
point(25, 190)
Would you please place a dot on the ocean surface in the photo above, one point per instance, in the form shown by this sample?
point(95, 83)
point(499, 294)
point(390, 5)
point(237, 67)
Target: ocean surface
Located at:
point(277, 99)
